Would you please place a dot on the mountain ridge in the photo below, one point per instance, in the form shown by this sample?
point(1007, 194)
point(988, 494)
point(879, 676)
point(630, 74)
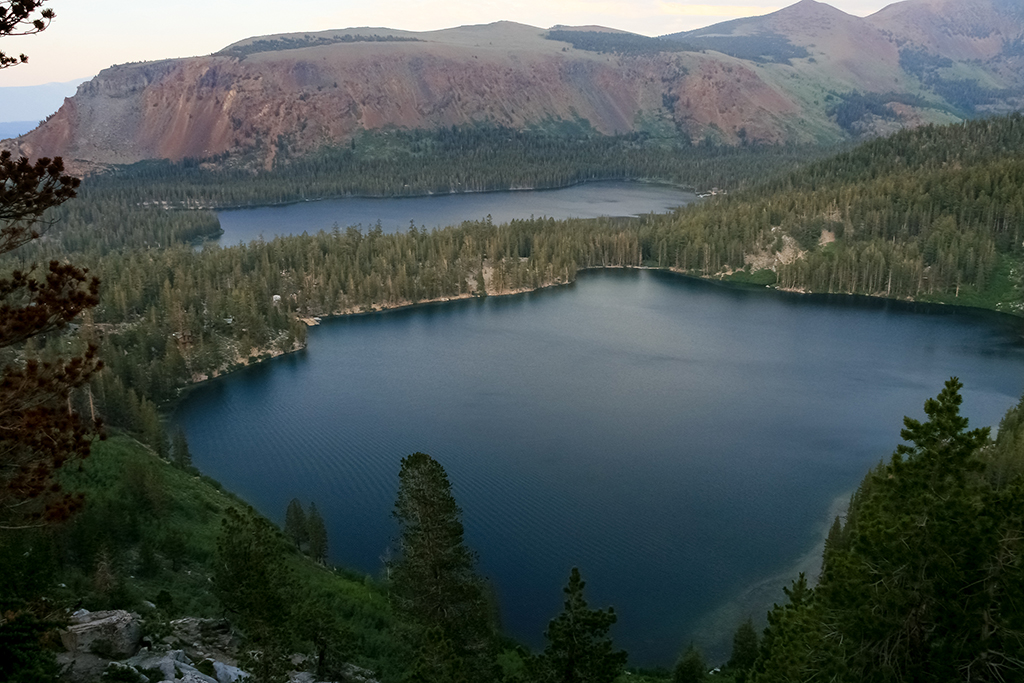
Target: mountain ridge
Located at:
point(806, 73)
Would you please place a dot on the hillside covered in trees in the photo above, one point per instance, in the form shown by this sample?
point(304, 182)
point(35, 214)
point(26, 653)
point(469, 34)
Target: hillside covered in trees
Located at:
point(935, 214)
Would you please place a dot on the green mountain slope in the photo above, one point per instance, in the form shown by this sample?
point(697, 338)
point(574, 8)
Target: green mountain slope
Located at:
point(149, 535)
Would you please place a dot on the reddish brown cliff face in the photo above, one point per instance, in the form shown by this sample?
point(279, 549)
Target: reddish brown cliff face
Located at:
point(303, 98)
point(256, 101)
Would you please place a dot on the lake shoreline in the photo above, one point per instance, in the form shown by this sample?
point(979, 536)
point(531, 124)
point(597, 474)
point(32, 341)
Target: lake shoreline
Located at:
point(540, 188)
point(265, 354)
point(715, 630)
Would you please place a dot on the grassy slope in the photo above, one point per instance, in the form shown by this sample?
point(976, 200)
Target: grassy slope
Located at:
point(1003, 293)
point(139, 504)
point(157, 500)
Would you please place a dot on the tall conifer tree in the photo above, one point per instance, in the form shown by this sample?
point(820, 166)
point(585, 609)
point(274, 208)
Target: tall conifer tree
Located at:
point(316, 533)
point(295, 525)
point(691, 667)
point(433, 579)
point(579, 649)
point(744, 651)
point(39, 429)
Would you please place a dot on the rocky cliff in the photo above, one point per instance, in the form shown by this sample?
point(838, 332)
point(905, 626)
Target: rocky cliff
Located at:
point(770, 79)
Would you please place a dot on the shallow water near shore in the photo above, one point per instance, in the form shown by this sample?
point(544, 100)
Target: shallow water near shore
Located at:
point(680, 441)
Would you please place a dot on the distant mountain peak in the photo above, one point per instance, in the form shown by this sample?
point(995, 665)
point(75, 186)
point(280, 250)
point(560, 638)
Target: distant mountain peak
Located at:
point(957, 29)
point(810, 8)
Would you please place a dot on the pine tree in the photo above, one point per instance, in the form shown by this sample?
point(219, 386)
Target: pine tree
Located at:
point(253, 583)
point(579, 649)
point(744, 651)
point(153, 434)
point(39, 430)
point(316, 533)
point(322, 625)
point(180, 454)
point(433, 580)
point(295, 525)
point(910, 593)
point(18, 18)
point(691, 667)
point(793, 647)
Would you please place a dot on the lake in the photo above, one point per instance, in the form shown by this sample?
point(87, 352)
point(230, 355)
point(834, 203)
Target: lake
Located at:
point(682, 442)
point(587, 200)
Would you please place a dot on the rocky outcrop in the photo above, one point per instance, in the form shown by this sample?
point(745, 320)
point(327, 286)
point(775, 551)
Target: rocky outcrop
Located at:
point(113, 634)
point(177, 666)
point(204, 638)
point(106, 646)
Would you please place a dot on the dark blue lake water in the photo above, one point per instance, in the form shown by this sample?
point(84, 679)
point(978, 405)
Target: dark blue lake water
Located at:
point(588, 200)
point(681, 442)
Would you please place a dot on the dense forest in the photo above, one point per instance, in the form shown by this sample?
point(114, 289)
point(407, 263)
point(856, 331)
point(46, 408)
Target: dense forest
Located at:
point(762, 48)
point(131, 207)
point(934, 214)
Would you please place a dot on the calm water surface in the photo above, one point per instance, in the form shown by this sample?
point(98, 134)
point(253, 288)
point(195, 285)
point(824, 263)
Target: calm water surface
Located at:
point(677, 440)
point(589, 200)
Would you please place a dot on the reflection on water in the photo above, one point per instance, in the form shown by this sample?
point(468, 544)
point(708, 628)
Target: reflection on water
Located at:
point(677, 440)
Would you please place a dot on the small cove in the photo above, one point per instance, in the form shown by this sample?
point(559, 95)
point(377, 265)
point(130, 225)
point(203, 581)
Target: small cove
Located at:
point(678, 440)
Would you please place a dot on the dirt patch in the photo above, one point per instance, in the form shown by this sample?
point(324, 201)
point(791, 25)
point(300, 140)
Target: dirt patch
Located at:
point(768, 259)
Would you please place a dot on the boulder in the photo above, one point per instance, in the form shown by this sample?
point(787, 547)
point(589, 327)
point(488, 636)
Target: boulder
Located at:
point(228, 674)
point(113, 634)
point(81, 667)
point(205, 638)
point(356, 674)
point(349, 672)
point(195, 677)
point(173, 666)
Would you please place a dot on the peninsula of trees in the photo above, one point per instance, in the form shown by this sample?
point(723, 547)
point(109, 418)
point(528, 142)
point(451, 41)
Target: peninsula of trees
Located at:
point(935, 214)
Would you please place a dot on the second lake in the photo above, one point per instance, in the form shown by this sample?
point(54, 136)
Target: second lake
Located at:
point(587, 200)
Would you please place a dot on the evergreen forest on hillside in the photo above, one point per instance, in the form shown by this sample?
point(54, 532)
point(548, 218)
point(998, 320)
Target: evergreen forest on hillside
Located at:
point(935, 214)
point(922, 581)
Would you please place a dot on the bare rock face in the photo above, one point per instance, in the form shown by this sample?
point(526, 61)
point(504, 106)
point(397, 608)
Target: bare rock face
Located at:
point(114, 634)
point(81, 667)
point(774, 78)
point(202, 638)
point(264, 104)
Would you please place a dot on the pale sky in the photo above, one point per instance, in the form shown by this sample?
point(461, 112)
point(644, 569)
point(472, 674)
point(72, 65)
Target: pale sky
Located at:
point(90, 35)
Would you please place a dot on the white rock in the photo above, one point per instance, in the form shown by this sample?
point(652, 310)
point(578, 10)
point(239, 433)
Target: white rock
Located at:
point(116, 631)
point(227, 674)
